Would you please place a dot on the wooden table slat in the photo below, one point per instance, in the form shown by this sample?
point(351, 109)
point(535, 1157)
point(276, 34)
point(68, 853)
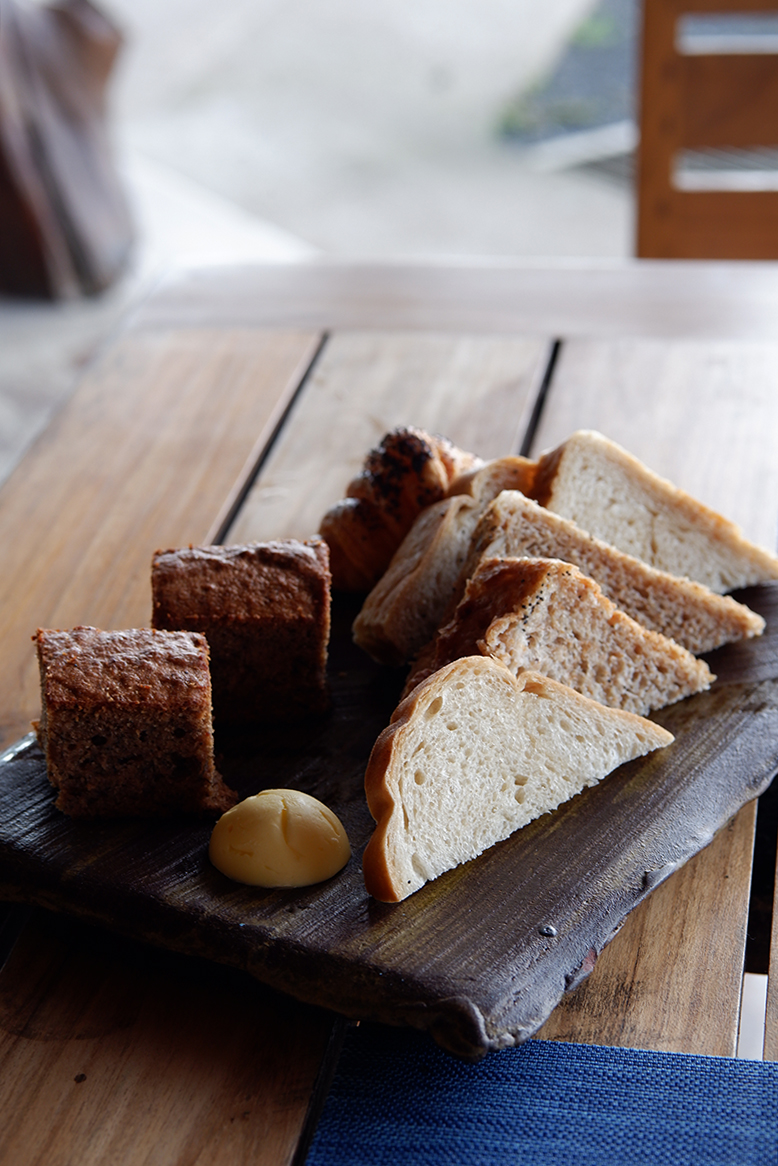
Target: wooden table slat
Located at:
point(146, 454)
point(157, 439)
point(706, 416)
point(479, 391)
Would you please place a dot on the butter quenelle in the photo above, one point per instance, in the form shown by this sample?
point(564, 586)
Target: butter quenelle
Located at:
point(279, 838)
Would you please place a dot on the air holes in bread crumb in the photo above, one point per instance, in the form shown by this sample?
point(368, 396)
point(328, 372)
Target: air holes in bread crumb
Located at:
point(419, 777)
point(451, 726)
point(434, 707)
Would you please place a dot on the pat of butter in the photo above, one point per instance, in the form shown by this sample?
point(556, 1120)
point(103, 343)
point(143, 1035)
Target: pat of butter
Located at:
point(279, 838)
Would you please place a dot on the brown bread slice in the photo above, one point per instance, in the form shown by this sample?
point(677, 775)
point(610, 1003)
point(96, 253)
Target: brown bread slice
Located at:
point(405, 608)
point(546, 616)
point(606, 491)
point(679, 608)
point(473, 754)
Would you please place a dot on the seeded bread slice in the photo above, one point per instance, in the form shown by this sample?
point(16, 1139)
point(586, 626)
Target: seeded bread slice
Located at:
point(598, 485)
point(681, 609)
point(405, 607)
point(475, 753)
point(546, 616)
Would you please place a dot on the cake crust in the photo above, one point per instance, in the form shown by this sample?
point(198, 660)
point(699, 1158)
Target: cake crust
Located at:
point(126, 722)
point(265, 611)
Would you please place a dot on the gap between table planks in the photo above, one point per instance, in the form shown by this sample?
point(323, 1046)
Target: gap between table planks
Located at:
point(157, 440)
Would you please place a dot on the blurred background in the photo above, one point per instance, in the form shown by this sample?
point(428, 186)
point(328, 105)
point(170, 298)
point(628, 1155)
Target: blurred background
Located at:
point(384, 130)
point(262, 130)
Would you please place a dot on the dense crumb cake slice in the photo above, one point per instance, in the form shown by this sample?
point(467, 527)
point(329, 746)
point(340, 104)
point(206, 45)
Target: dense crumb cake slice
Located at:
point(265, 611)
point(126, 722)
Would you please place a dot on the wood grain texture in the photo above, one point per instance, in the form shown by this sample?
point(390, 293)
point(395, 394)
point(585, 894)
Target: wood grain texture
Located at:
point(530, 297)
point(158, 437)
point(433, 961)
point(145, 455)
point(703, 415)
point(110, 1052)
point(478, 391)
point(706, 416)
point(668, 981)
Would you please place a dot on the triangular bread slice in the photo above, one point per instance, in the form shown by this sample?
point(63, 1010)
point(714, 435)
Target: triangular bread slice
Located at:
point(679, 608)
point(405, 607)
point(475, 753)
point(546, 616)
point(598, 485)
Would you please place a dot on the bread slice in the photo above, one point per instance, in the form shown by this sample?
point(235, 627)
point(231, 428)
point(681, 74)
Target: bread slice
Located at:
point(679, 608)
point(609, 493)
point(409, 470)
point(546, 616)
point(474, 754)
point(406, 606)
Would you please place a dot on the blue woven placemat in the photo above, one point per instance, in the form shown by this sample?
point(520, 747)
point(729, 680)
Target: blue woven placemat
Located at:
point(396, 1098)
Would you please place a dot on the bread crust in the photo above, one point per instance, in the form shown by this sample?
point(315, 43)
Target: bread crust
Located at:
point(395, 862)
point(424, 580)
point(546, 616)
point(608, 492)
point(682, 609)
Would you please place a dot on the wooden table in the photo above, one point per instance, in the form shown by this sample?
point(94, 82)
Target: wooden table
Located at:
point(236, 405)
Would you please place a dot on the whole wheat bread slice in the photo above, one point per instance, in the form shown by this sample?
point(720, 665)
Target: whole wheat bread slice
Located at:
point(546, 616)
point(679, 608)
point(598, 485)
point(473, 754)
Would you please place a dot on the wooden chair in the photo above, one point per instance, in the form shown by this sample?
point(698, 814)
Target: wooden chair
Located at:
point(698, 101)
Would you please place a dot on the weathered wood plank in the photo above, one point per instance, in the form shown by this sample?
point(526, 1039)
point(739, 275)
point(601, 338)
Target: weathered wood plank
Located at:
point(771, 1011)
point(156, 439)
point(672, 989)
point(478, 391)
point(525, 297)
point(706, 416)
point(113, 1053)
point(144, 455)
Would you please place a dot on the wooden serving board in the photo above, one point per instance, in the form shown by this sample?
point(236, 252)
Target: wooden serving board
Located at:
point(481, 956)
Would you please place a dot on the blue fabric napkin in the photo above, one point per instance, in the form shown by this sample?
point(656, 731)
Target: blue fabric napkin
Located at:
point(397, 1099)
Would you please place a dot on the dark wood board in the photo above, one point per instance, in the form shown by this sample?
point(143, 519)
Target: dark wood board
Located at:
point(469, 957)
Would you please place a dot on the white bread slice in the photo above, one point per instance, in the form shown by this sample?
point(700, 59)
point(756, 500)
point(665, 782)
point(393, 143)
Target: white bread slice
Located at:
point(405, 607)
point(408, 470)
point(609, 493)
point(546, 616)
point(679, 608)
point(475, 753)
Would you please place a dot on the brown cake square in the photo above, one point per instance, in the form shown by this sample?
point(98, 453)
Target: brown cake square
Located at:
point(126, 723)
point(265, 611)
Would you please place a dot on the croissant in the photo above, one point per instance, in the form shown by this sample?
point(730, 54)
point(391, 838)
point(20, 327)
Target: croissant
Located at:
point(407, 472)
